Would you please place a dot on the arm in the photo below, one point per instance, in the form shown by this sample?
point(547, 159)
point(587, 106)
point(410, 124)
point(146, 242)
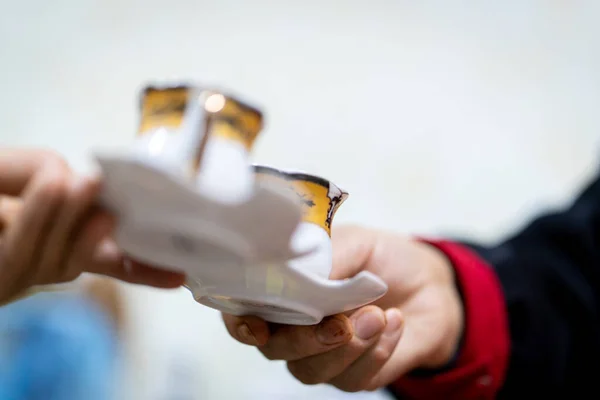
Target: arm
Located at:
point(550, 273)
point(546, 280)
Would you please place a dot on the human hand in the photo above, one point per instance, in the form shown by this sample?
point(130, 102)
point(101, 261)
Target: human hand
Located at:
point(417, 324)
point(51, 230)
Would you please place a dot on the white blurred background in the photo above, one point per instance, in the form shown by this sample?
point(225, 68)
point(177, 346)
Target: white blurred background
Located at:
point(439, 117)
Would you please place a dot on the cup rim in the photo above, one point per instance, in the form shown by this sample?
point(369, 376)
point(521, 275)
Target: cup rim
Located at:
point(302, 175)
point(177, 85)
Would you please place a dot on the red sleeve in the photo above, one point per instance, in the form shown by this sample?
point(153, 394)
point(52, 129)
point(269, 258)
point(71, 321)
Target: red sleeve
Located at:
point(481, 365)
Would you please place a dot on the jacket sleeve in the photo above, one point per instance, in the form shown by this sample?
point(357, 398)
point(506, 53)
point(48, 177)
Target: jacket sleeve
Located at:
point(550, 273)
point(549, 281)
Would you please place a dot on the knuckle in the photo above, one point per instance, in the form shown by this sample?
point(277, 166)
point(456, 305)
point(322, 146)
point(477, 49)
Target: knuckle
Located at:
point(230, 324)
point(227, 318)
point(350, 385)
point(305, 373)
point(381, 354)
point(371, 387)
point(71, 275)
point(268, 354)
point(53, 187)
point(297, 347)
point(52, 159)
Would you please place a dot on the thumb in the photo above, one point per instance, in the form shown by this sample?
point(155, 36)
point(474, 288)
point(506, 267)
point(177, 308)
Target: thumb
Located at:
point(98, 254)
point(109, 261)
point(407, 356)
point(352, 248)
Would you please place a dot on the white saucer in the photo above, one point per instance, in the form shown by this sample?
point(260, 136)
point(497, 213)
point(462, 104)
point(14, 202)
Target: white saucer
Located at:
point(164, 221)
point(281, 294)
point(241, 259)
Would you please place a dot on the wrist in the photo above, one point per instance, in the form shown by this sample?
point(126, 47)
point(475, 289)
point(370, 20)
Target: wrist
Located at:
point(442, 356)
point(480, 368)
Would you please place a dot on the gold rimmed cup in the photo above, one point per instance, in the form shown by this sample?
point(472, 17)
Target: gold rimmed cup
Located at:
point(319, 198)
point(169, 112)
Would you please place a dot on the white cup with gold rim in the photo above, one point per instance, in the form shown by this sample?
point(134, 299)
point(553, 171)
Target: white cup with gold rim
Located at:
point(232, 128)
point(296, 289)
point(320, 199)
point(203, 134)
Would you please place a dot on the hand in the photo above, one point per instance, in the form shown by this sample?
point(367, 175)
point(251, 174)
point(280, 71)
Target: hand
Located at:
point(417, 324)
point(51, 230)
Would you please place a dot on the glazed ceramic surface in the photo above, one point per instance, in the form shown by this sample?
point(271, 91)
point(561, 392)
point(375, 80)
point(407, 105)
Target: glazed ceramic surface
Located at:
point(165, 221)
point(319, 199)
point(172, 130)
point(251, 239)
point(186, 183)
point(297, 291)
point(232, 128)
point(205, 133)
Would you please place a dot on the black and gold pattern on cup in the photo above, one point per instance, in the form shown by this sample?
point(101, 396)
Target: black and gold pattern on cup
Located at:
point(169, 108)
point(163, 107)
point(320, 199)
point(231, 119)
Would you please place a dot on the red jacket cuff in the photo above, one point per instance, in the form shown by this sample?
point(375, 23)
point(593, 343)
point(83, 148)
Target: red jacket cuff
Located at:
point(481, 365)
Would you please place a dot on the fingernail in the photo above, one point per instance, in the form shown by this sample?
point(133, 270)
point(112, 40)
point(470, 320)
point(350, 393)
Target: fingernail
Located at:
point(332, 331)
point(246, 335)
point(394, 320)
point(368, 324)
point(110, 249)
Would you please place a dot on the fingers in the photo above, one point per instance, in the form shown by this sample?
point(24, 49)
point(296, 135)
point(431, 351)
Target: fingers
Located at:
point(248, 330)
point(108, 260)
point(368, 323)
point(19, 166)
point(295, 342)
point(87, 253)
point(289, 342)
point(58, 245)
point(94, 252)
point(50, 234)
point(365, 373)
point(142, 274)
point(41, 199)
point(352, 247)
point(352, 353)
point(425, 341)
